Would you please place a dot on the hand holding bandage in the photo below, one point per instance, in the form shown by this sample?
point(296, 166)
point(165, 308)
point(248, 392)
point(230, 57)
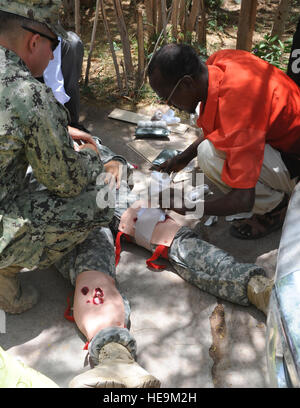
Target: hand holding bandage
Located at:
point(84, 141)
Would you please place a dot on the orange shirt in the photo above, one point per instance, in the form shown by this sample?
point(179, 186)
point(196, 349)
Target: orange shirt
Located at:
point(249, 103)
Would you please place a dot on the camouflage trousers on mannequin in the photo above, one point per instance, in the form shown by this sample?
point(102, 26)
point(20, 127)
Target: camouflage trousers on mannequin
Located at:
point(210, 268)
point(204, 265)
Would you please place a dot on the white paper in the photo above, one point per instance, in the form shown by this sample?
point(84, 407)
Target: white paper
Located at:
point(239, 216)
point(213, 219)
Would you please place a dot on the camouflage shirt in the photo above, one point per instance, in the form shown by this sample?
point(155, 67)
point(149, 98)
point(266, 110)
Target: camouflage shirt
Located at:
point(33, 131)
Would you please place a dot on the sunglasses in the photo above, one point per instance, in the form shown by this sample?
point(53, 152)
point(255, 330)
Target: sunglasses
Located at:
point(54, 41)
point(174, 89)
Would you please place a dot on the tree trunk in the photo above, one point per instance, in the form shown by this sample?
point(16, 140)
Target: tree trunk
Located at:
point(246, 24)
point(154, 11)
point(193, 15)
point(77, 17)
point(88, 66)
point(149, 17)
point(68, 6)
point(124, 38)
point(201, 25)
point(174, 19)
point(280, 18)
point(164, 19)
point(181, 14)
point(159, 25)
point(111, 45)
point(141, 51)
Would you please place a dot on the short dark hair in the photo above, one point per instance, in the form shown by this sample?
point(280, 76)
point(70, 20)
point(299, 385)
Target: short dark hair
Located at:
point(174, 61)
point(9, 22)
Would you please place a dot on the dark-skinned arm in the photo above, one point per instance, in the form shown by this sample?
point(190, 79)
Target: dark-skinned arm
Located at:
point(234, 202)
point(180, 161)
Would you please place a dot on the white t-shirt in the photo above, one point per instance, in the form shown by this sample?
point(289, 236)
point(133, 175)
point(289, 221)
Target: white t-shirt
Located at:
point(53, 76)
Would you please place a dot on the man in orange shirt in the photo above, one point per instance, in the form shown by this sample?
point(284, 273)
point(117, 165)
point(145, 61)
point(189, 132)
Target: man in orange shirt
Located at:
point(250, 117)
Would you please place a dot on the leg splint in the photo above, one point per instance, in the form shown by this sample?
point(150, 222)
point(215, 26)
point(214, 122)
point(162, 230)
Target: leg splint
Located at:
point(149, 228)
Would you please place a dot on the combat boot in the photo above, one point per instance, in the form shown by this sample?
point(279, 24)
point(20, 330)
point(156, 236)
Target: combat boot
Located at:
point(259, 291)
point(15, 299)
point(117, 369)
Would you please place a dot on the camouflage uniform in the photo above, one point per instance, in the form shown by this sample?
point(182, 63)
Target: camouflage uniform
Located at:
point(54, 216)
point(210, 268)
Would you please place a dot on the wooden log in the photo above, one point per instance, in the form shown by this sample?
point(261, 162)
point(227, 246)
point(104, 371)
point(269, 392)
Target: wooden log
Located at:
point(111, 45)
point(280, 18)
point(124, 38)
point(88, 66)
point(77, 17)
point(246, 25)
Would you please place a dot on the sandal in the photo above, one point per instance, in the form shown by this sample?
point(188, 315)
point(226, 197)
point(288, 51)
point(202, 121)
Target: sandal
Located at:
point(258, 225)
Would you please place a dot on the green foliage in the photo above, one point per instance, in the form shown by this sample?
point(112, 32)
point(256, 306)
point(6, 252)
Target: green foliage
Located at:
point(213, 4)
point(273, 50)
point(202, 51)
point(217, 18)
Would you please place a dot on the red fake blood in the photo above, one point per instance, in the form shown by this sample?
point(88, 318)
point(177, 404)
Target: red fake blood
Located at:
point(85, 290)
point(98, 296)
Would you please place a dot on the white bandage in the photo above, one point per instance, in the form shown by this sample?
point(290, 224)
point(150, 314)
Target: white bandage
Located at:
point(147, 218)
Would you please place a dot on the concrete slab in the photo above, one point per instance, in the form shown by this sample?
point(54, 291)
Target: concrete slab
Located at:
point(186, 337)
